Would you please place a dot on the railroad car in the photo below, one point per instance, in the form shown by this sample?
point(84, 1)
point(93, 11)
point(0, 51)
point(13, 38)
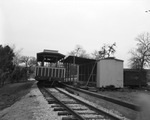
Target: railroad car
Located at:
point(135, 78)
point(48, 66)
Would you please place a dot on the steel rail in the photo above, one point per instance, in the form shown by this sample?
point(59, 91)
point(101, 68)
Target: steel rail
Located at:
point(109, 99)
point(76, 115)
point(111, 116)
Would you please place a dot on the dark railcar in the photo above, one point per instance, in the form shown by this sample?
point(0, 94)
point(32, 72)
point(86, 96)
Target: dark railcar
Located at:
point(134, 78)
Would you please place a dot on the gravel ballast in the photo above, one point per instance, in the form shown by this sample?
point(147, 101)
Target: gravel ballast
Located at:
point(32, 106)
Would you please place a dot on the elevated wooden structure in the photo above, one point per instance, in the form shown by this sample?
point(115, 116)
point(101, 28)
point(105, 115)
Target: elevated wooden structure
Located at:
point(53, 69)
point(84, 69)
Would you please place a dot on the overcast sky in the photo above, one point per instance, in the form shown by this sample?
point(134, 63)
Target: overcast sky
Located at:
point(35, 25)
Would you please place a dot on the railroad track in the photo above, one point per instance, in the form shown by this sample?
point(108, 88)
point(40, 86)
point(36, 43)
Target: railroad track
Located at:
point(106, 98)
point(72, 108)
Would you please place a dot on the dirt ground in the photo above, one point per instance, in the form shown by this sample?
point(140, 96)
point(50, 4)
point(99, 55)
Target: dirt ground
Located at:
point(24, 101)
point(11, 93)
point(138, 97)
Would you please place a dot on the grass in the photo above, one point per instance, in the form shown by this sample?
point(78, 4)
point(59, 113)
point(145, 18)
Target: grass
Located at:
point(127, 95)
point(11, 93)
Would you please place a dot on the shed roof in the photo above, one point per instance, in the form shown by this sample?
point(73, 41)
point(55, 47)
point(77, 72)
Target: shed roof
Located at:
point(112, 58)
point(49, 56)
point(78, 60)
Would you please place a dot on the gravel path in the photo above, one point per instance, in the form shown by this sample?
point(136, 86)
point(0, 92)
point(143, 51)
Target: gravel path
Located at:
point(33, 106)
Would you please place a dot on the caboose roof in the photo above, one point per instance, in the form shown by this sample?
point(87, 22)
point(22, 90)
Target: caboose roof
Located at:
point(49, 56)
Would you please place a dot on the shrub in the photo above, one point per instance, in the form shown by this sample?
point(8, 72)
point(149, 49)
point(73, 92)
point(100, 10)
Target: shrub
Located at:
point(110, 87)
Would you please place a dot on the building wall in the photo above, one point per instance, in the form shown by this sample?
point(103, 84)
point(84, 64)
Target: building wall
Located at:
point(87, 73)
point(110, 72)
point(119, 74)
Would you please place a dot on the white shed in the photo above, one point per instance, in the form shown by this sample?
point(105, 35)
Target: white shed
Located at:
point(109, 72)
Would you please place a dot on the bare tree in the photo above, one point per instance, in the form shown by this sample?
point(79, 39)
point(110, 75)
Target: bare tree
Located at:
point(32, 62)
point(104, 52)
point(25, 59)
point(140, 56)
point(96, 55)
point(111, 49)
point(17, 56)
point(29, 62)
point(79, 52)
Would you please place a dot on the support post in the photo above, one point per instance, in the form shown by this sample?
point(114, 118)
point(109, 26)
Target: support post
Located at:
point(56, 62)
point(73, 68)
point(42, 63)
point(77, 73)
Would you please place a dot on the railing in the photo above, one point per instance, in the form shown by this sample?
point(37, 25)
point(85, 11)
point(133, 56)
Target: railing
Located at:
point(57, 72)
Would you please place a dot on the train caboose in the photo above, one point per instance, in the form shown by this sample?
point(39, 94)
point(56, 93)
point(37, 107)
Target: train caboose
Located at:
point(48, 67)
